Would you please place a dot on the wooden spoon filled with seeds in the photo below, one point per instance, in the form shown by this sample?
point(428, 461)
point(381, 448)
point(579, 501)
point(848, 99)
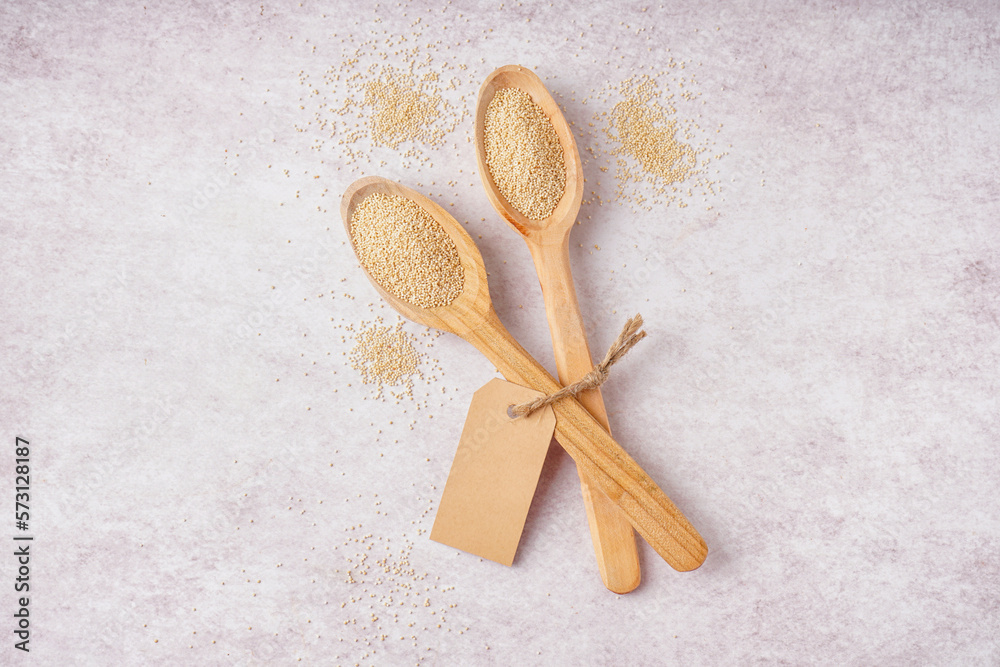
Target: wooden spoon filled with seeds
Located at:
point(531, 170)
point(427, 267)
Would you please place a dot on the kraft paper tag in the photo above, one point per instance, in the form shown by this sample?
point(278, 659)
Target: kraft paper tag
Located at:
point(494, 474)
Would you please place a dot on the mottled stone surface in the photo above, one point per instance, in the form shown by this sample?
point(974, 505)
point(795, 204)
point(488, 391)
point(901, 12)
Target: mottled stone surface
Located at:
point(818, 392)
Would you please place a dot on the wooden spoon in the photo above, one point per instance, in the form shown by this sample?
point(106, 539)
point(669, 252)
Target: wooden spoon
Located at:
point(548, 241)
point(602, 460)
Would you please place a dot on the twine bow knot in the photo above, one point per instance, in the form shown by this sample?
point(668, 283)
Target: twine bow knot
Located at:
point(630, 334)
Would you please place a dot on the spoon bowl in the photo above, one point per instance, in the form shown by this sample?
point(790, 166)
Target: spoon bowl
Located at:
point(472, 306)
point(563, 216)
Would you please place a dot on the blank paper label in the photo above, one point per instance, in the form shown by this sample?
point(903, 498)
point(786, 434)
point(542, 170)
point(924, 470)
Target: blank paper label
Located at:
point(494, 474)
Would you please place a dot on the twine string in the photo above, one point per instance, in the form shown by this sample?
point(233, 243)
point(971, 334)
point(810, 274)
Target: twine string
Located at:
point(630, 334)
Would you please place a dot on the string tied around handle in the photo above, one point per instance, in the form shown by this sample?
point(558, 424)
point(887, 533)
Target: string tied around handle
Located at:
point(630, 334)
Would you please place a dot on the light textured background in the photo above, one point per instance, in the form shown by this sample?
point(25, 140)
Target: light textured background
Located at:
point(818, 394)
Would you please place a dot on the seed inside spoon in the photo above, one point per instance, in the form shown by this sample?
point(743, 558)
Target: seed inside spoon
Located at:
point(523, 154)
point(406, 251)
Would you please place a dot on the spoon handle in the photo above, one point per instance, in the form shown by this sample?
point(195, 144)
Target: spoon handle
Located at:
point(610, 531)
point(597, 455)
